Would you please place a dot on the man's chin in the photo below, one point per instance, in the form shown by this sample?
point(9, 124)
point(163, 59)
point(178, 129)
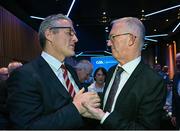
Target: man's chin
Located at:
point(72, 53)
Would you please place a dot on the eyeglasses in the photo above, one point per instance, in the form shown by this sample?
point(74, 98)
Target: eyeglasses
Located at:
point(71, 30)
point(111, 37)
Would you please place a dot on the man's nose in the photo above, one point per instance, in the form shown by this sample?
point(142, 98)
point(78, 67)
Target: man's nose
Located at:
point(75, 39)
point(109, 43)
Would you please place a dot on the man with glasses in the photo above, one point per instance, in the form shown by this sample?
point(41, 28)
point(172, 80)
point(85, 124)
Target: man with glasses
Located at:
point(134, 94)
point(45, 93)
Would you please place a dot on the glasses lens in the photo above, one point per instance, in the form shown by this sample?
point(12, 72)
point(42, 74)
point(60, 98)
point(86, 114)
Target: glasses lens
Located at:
point(110, 37)
point(71, 31)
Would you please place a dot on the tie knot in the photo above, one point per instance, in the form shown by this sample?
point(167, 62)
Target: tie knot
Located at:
point(120, 70)
point(63, 67)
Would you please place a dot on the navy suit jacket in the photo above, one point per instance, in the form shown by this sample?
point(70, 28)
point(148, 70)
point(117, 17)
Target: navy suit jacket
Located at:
point(38, 100)
point(140, 102)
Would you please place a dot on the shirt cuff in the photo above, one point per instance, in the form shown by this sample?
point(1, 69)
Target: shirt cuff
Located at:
point(104, 117)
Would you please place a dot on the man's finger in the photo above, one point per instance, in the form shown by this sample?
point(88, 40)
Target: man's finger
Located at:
point(85, 105)
point(80, 91)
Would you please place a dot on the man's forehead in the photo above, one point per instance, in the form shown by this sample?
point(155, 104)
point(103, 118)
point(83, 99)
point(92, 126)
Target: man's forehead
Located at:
point(118, 26)
point(114, 30)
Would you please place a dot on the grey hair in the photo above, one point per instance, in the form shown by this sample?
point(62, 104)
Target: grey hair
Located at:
point(86, 65)
point(47, 23)
point(133, 24)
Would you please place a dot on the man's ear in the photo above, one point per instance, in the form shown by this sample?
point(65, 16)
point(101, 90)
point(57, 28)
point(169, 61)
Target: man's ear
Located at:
point(132, 40)
point(48, 35)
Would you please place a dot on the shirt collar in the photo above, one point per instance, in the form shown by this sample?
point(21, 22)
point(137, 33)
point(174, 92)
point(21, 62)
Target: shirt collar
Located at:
point(131, 65)
point(51, 60)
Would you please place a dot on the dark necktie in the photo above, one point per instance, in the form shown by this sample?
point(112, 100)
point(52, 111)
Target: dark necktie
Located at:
point(113, 90)
point(67, 81)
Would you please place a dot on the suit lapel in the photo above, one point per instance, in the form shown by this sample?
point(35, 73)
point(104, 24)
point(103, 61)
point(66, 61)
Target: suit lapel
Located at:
point(110, 74)
point(50, 79)
point(130, 82)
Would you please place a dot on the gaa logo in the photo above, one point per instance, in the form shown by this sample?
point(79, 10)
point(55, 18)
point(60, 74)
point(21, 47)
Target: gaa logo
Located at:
point(99, 62)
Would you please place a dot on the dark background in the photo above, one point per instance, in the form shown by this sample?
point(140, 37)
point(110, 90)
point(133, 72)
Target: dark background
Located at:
point(90, 22)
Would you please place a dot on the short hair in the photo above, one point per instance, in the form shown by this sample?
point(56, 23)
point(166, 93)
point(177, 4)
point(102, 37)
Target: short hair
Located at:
point(133, 24)
point(85, 64)
point(104, 71)
point(49, 22)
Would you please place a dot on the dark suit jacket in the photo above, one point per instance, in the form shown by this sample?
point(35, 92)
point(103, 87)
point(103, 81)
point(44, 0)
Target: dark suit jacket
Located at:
point(38, 100)
point(140, 102)
point(3, 96)
point(176, 100)
point(4, 121)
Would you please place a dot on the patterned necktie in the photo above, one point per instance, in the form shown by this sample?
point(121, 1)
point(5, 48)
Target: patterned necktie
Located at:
point(113, 90)
point(68, 82)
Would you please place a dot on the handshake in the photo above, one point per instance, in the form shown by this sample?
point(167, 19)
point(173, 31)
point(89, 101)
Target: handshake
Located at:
point(88, 104)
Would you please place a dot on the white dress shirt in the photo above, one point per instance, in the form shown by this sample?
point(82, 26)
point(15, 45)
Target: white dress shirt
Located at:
point(55, 65)
point(128, 70)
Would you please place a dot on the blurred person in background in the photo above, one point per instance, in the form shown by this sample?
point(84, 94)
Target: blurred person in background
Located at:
point(176, 95)
point(100, 75)
point(84, 70)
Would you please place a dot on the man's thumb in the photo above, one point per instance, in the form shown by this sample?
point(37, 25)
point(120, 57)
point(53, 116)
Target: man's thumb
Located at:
point(81, 91)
